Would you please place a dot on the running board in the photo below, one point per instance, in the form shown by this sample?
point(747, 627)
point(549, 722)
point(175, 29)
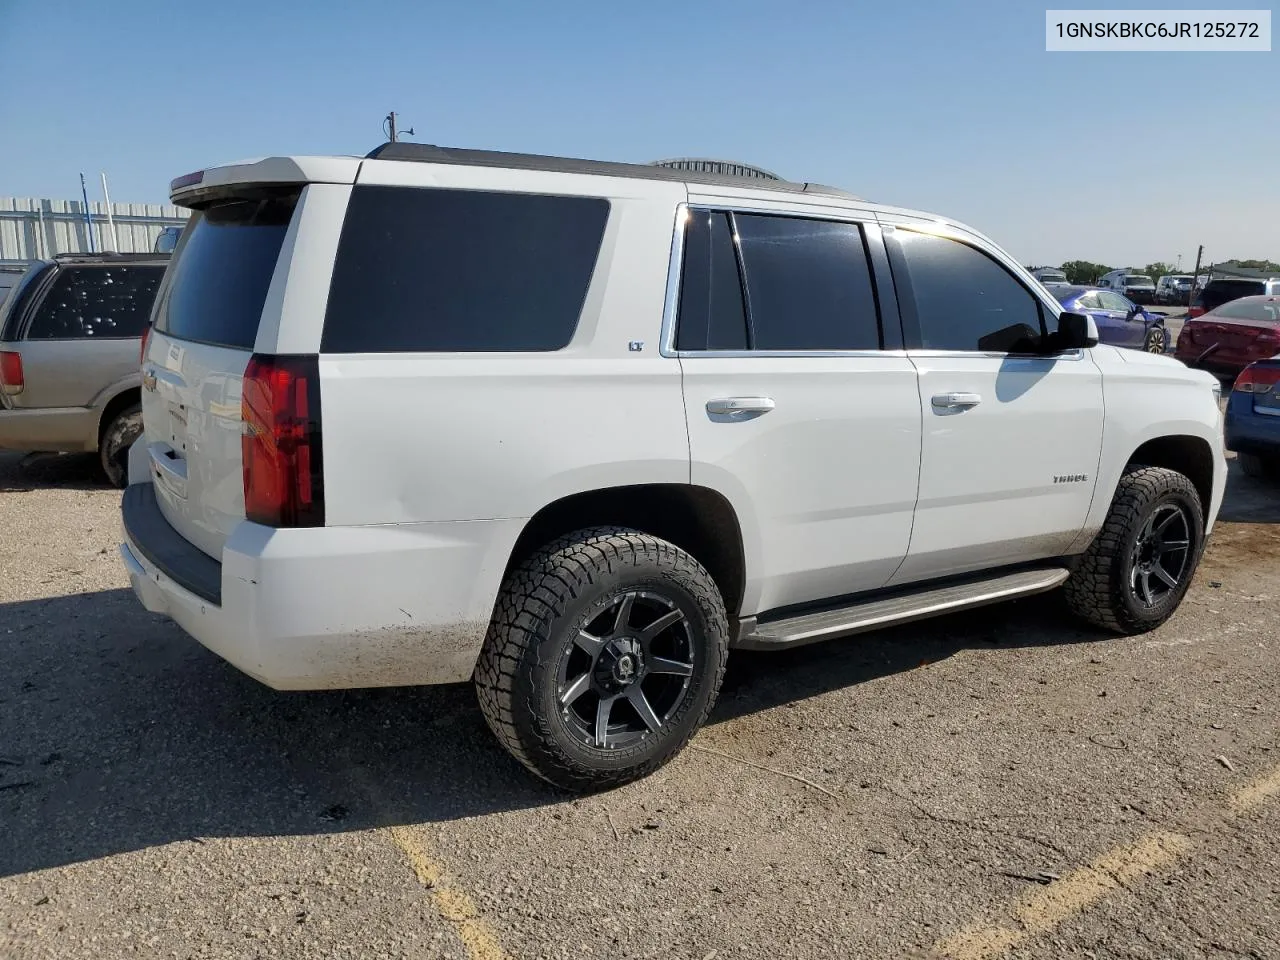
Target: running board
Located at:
point(902, 608)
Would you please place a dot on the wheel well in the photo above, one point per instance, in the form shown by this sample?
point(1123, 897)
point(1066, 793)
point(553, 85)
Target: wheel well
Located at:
point(695, 519)
point(1190, 456)
point(120, 401)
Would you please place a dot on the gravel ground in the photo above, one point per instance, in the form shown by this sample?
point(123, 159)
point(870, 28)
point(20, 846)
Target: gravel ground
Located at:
point(1001, 783)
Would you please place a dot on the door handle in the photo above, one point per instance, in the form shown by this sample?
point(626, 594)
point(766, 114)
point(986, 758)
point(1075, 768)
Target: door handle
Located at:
point(952, 401)
point(740, 408)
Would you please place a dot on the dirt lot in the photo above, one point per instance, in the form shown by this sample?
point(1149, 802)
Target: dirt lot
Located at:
point(1003, 783)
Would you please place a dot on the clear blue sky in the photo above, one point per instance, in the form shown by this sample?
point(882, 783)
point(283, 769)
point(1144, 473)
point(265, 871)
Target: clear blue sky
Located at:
point(955, 108)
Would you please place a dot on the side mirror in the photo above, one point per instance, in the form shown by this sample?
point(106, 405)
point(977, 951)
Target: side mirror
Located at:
point(1075, 332)
point(1135, 310)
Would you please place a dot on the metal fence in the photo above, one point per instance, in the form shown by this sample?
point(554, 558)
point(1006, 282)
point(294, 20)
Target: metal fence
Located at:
point(31, 229)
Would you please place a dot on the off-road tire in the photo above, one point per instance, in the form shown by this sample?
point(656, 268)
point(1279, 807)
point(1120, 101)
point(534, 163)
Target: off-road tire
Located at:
point(1260, 468)
point(1098, 589)
point(117, 437)
point(537, 615)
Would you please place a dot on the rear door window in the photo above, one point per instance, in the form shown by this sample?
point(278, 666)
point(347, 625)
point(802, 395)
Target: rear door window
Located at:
point(219, 282)
point(461, 270)
point(808, 284)
point(110, 302)
point(711, 315)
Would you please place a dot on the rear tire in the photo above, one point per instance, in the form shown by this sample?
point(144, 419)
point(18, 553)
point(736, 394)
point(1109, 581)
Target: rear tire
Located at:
point(1134, 574)
point(604, 656)
point(113, 446)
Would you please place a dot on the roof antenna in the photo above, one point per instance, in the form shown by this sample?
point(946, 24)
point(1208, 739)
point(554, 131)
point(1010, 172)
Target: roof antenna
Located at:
point(389, 127)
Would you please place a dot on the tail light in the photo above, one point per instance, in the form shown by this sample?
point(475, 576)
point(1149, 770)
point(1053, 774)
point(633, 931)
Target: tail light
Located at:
point(1195, 310)
point(142, 349)
point(11, 381)
point(283, 466)
point(1256, 379)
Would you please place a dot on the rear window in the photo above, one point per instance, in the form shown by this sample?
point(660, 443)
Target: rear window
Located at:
point(97, 303)
point(461, 271)
point(19, 295)
point(219, 281)
point(1217, 292)
point(1250, 310)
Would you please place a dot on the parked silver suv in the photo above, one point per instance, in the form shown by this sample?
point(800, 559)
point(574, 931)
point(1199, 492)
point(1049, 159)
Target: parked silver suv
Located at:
point(70, 336)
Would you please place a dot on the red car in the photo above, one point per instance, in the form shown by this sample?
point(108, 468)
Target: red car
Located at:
point(1230, 337)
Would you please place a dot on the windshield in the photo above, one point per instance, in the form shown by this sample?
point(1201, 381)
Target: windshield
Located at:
point(1137, 280)
point(1052, 276)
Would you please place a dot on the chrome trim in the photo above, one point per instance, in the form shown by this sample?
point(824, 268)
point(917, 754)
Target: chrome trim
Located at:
point(798, 354)
point(1076, 354)
point(675, 264)
point(786, 208)
point(950, 231)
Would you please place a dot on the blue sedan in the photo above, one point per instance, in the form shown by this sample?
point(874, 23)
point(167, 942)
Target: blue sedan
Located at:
point(1121, 322)
point(1253, 418)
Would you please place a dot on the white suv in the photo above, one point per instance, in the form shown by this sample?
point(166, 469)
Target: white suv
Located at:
point(575, 430)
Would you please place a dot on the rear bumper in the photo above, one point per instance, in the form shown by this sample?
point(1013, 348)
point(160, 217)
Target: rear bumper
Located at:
point(328, 607)
point(52, 429)
point(1249, 432)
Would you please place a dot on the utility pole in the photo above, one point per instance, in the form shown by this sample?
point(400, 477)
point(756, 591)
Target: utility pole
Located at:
point(88, 220)
point(1195, 276)
point(389, 126)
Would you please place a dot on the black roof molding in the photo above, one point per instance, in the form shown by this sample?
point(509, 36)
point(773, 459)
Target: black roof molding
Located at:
point(430, 153)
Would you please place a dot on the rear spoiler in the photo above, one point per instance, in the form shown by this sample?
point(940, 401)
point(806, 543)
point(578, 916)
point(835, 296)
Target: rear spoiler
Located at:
point(190, 188)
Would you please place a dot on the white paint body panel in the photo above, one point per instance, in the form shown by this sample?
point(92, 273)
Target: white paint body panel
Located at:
point(825, 482)
point(987, 492)
point(434, 462)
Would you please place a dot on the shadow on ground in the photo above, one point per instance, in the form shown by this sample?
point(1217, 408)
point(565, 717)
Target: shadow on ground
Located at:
point(118, 732)
point(20, 472)
point(1249, 500)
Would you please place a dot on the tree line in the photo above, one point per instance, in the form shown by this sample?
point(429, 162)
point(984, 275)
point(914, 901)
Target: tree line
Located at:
point(1085, 272)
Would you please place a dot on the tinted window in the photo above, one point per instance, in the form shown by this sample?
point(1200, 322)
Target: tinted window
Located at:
point(1218, 292)
point(711, 313)
point(219, 282)
point(461, 270)
point(19, 296)
point(808, 284)
point(964, 300)
point(101, 303)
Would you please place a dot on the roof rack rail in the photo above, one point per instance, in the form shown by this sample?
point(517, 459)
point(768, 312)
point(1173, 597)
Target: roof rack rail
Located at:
point(430, 153)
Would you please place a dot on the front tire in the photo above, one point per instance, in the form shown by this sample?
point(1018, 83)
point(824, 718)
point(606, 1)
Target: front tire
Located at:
point(113, 446)
point(605, 654)
point(1155, 340)
point(1138, 568)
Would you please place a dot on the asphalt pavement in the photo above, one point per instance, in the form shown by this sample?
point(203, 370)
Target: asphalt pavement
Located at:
point(1003, 783)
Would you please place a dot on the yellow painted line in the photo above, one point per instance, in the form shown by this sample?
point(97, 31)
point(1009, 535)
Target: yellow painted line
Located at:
point(455, 906)
point(1045, 909)
point(1255, 793)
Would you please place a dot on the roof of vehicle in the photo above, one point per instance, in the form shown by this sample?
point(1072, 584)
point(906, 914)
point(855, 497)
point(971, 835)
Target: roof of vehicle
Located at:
point(664, 170)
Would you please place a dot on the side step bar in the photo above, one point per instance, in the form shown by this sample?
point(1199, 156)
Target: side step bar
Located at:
point(902, 608)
